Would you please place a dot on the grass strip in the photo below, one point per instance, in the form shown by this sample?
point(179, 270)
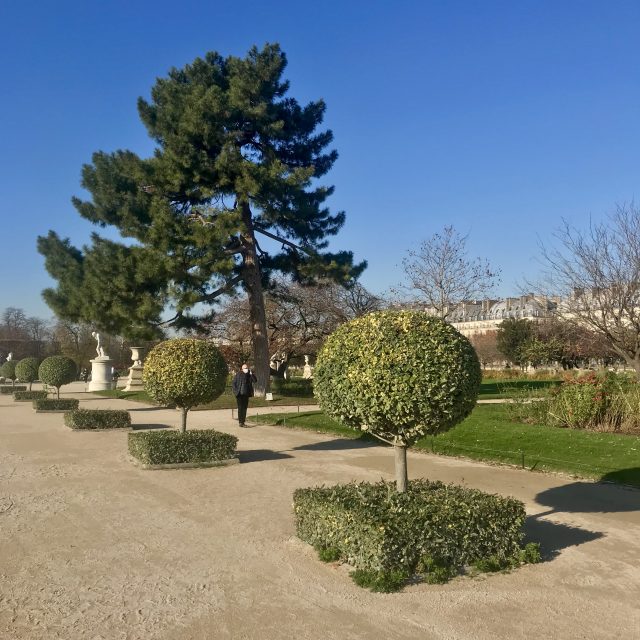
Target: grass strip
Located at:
point(225, 401)
point(489, 435)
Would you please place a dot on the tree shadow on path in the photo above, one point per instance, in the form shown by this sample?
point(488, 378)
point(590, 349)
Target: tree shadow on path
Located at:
point(589, 497)
point(338, 444)
point(554, 537)
point(147, 427)
point(261, 455)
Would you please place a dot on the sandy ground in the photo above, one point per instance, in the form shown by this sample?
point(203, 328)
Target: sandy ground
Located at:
point(93, 547)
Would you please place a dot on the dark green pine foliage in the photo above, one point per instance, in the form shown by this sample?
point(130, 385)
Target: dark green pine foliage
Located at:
point(236, 159)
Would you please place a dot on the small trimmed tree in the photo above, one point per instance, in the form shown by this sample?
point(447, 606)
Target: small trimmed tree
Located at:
point(27, 370)
point(57, 370)
point(399, 376)
point(185, 372)
point(8, 370)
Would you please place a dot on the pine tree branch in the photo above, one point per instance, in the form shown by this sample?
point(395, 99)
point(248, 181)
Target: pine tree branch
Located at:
point(264, 232)
point(225, 288)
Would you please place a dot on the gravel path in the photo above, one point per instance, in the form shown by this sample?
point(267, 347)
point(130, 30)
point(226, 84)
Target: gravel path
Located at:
point(93, 547)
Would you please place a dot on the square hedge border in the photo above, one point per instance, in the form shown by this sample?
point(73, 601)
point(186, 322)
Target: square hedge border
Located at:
point(97, 419)
point(374, 528)
point(174, 449)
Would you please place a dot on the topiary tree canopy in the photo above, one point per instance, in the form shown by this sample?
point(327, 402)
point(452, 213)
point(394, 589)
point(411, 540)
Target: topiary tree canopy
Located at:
point(8, 370)
point(399, 376)
point(57, 370)
point(27, 370)
point(185, 372)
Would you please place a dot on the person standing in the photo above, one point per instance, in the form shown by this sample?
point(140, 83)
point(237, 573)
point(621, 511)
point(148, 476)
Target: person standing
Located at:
point(242, 387)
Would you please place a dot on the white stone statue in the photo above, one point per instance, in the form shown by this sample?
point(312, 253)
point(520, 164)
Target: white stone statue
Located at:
point(99, 347)
point(307, 372)
point(10, 356)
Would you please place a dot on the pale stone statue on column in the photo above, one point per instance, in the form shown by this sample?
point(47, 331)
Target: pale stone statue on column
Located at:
point(99, 347)
point(101, 368)
point(307, 373)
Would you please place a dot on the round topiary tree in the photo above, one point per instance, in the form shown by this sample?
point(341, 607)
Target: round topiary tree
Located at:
point(27, 370)
point(57, 370)
point(8, 370)
point(399, 376)
point(186, 373)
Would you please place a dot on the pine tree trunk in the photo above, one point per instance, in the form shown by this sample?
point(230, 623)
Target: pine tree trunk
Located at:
point(183, 422)
point(253, 284)
point(402, 478)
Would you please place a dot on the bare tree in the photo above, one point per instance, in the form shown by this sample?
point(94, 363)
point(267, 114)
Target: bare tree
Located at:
point(441, 275)
point(299, 318)
point(486, 347)
point(596, 273)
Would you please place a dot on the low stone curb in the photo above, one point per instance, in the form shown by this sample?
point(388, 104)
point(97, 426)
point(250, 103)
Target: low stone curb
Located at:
point(53, 410)
point(185, 465)
point(89, 430)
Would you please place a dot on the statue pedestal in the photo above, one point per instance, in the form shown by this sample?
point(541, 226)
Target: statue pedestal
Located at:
point(134, 381)
point(101, 378)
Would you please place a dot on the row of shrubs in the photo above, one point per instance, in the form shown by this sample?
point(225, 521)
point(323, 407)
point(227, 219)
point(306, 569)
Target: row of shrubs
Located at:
point(603, 401)
point(96, 419)
point(293, 387)
point(55, 404)
point(174, 447)
point(432, 529)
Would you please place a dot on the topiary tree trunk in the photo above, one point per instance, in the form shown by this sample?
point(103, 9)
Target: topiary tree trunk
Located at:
point(402, 478)
point(183, 421)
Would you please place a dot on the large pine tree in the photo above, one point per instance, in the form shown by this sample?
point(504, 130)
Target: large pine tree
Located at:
point(235, 160)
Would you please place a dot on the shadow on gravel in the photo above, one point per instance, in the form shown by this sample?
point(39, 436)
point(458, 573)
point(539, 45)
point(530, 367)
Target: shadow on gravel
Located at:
point(147, 427)
point(589, 497)
point(338, 444)
point(149, 408)
point(554, 537)
point(261, 455)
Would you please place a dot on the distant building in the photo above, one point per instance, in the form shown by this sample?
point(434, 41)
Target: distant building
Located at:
point(473, 318)
point(478, 317)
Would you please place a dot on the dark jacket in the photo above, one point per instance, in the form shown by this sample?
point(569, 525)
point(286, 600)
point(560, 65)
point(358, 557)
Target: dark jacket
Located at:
point(242, 384)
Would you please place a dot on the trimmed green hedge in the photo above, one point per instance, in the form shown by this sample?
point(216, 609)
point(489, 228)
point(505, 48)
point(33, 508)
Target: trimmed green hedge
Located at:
point(98, 419)
point(29, 395)
point(174, 447)
point(53, 404)
point(10, 390)
point(431, 526)
point(293, 387)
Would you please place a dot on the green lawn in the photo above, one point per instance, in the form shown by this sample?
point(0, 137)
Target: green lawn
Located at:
point(225, 401)
point(489, 435)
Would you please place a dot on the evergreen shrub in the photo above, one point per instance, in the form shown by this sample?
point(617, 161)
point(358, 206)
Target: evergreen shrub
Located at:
point(398, 375)
point(184, 373)
point(56, 404)
point(8, 370)
point(294, 387)
point(57, 371)
point(98, 419)
point(29, 395)
point(432, 527)
point(27, 370)
point(10, 390)
point(174, 447)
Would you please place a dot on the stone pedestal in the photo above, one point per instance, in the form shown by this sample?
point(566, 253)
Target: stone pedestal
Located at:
point(134, 381)
point(101, 377)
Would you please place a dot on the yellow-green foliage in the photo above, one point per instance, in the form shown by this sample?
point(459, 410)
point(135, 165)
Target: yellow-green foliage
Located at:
point(185, 372)
point(397, 375)
point(8, 369)
point(57, 370)
point(27, 369)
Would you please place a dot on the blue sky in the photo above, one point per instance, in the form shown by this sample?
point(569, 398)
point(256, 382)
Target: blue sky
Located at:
point(499, 118)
